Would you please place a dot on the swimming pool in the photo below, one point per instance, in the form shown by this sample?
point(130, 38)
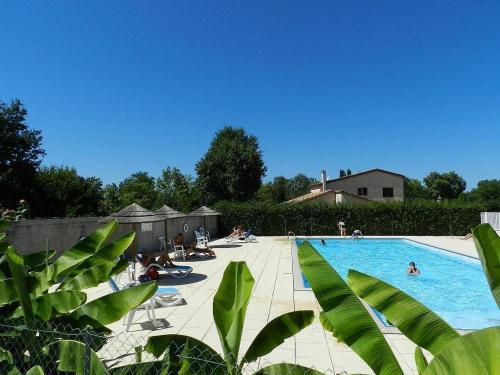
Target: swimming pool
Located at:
point(452, 285)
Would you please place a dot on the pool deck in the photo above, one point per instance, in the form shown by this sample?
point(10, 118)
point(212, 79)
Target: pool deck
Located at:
point(270, 261)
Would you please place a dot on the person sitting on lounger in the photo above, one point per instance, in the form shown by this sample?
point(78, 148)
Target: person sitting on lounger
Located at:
point(238, 232)
point(193, 249)
point(356, 234)
point(412, 269)
point(179, 241)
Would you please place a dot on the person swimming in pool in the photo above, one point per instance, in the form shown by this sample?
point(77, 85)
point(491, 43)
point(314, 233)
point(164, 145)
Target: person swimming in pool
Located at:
point(322, 242)
point(412, 269)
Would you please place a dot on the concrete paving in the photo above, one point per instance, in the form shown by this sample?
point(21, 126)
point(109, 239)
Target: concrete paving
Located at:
point(270, 261)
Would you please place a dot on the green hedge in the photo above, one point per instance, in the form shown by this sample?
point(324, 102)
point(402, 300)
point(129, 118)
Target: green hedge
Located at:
point(404, 218)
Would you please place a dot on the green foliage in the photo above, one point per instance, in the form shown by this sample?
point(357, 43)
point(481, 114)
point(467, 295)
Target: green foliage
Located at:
point(282, 189)
point(138, 188)
point(486, 193)
point(351, 322)
point(413, 189)
point(20, 154)
point(420, 360)
point(38, 304)
point(403, 218)
point(416, 321)
point(111, 201)
point(474, 353)
point(177, 190)
point(62, 192)
point(447, 185)
point(70, 356)
point(232, 168)
point(488, 247)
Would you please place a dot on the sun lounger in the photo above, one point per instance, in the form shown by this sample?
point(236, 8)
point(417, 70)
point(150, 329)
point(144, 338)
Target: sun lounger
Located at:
point(164, 296)
point(178, 271)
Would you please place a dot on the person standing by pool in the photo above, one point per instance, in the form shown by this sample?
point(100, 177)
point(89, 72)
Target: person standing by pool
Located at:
point(412, 269)
point(342, 228)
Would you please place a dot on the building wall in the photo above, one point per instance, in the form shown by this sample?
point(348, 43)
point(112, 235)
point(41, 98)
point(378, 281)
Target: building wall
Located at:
point(29, 236)
point(348, 199)
point(374, 182)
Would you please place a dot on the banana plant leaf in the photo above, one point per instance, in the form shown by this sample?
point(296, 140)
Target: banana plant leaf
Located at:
point(112, 307)
point(287, 369)
point(229, 309)
point(275, 333)
point(5, 357)
point(74, 256)
point(50, 305)
point(143, 368)
point(16, 265)
point(352, 324)
point(420, 360)
point(487, 244)
point(8, 292)
point(84, 249)
point(476, 353)
point(70, 356)
point(108, 253)
point(186, 355)
point(415, 320)
point(36, 370)
point(39, 258)
point(89, 277)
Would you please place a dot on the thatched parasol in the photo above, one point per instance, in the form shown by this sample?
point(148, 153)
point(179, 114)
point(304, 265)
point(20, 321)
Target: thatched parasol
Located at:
point(169, 213)
point(134, 214)
point(204, 211)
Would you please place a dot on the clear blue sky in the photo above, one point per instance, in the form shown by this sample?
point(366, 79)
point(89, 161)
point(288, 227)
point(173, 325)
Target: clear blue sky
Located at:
point(122, 86)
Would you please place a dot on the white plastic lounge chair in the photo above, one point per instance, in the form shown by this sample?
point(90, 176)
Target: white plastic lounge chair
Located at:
point(178, 250)
point(200, 240)
point(249, 237)
point(178, 271)
point(204, 233)
point(165, 296)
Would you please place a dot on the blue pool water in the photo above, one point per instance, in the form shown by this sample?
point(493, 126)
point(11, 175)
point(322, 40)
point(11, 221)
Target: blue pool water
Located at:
point(452, 285)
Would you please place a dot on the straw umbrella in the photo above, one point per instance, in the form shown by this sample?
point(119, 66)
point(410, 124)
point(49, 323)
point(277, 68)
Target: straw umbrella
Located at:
point(204, 211)
point(168, 213)
point(134, 214)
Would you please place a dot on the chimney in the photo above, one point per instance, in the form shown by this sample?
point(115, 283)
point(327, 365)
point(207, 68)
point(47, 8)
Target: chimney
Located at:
point(323, 180)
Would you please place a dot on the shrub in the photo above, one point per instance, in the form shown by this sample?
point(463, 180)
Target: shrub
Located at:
point(401, 218)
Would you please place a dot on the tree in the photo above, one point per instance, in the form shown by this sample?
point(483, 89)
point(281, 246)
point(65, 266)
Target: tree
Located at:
point(275, 191)
point(20, 154)
point(487, 193)
point(138, 188)
point(299, 185)
point(232, 169)
point(111, 199)
point(413, 189)
point(177, 190)
point(61, 192)
point(447, 185)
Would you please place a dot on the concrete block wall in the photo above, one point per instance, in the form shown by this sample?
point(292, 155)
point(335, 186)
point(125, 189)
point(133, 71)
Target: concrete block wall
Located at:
point(29, 236)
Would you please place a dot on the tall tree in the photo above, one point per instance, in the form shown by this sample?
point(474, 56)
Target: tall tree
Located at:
point(487, 193)
point(447, 185)
point(177, 190)
point(61, 192)
point(413, 189)
point(299, 185)
point(138, 188)
point(111, 199)
point(20, 154)
point(232, 168)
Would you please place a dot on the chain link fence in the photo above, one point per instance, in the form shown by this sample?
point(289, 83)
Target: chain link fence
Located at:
point(59, 348)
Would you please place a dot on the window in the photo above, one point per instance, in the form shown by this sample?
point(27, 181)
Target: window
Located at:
point(362, 191)
point(387, 192)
